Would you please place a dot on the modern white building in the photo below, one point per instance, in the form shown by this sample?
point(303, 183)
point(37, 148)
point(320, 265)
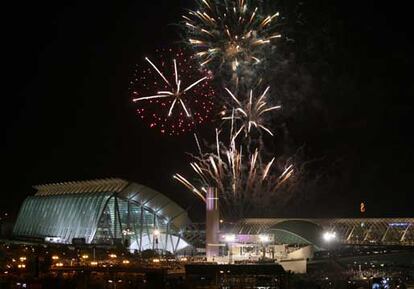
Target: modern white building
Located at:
point(103, 212)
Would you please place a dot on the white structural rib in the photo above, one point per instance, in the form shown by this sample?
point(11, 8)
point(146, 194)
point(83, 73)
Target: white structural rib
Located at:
point(92, 186)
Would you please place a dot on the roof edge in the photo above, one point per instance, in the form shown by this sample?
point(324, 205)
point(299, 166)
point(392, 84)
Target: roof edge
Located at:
point(88, 186)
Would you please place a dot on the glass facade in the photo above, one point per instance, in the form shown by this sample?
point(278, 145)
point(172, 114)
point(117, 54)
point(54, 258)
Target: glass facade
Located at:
point(133, 215)
point(63, 217)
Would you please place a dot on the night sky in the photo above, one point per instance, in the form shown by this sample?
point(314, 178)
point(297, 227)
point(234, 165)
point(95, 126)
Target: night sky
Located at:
point(347, 94)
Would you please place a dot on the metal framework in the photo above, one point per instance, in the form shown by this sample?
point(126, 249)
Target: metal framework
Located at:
point(104, 211)
point(353, 231)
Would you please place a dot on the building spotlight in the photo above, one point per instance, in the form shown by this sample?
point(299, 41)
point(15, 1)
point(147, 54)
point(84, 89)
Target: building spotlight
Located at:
point(329, 236)
point(228, 238)
point(264, 238)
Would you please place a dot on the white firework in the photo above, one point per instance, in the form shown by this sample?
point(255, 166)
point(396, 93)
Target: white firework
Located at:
point(176, 92)
point(241, 178)
point(230, 34)
point(251, 113)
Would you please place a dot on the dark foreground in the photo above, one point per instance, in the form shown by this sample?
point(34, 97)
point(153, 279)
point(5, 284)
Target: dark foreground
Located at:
point(48, 267)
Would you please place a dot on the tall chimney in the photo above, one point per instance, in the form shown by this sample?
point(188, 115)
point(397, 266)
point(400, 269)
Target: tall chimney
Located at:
point(212, 224)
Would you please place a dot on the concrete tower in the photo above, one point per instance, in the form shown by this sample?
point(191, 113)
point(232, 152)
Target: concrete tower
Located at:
point(212, 224)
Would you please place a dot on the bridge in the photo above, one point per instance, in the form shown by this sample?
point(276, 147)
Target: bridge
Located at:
point(352, 231)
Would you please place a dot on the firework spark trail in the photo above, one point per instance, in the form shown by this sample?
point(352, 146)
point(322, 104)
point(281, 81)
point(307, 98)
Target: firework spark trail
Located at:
point(252, 113)
point(175, 91)
point(157, 70)
point(189, 186)
point(230, 33)
point(238, 176)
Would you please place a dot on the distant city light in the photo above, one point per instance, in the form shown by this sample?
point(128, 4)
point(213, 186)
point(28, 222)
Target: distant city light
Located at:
point(329, 236)
point(125, 261)
point(85, 256)
point(55, 257)
point(112, 256)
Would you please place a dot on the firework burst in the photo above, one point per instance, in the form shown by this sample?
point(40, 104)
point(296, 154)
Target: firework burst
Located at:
point(230, 35)
point(251, 113)
point(172, 93)
point(242, 178)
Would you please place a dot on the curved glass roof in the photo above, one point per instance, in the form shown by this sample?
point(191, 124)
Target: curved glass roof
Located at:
point(159, 203)
point(72, 209)
point(298, 231)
